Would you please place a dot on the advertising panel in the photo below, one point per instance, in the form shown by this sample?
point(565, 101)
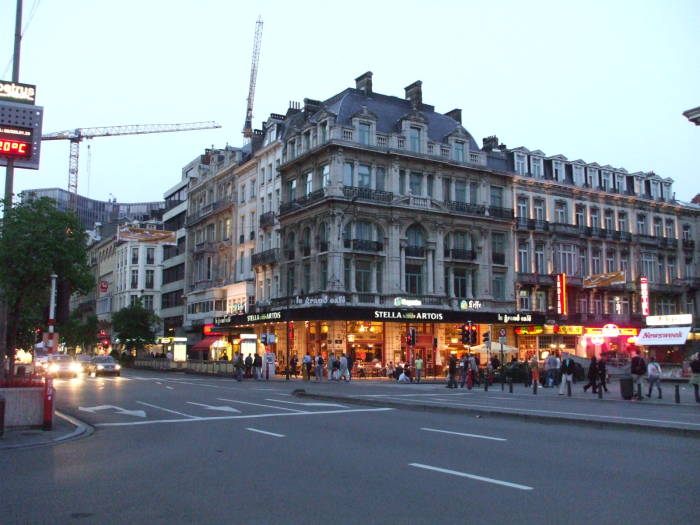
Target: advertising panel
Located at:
point(604, 279)
point(676, 335)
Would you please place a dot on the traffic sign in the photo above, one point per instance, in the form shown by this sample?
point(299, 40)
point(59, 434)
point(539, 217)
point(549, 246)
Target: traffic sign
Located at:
point(502, 340)
point(502, 332)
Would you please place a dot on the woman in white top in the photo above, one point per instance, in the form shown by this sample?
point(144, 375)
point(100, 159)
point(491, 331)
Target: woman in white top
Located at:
point(654, 376)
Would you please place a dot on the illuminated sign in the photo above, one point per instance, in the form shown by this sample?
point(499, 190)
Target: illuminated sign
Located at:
point(263, 317)
point(611, 330)
point(514, 318)
point(15, 142)
point(562, 308)
point(249, 336)
point(423, 316)
point(529, 330)
point(400, 301)
point(665, 320)
point(601, 331)
point(470, 305)
point(644, 294)
point(597, 339)
point(677, 335)
point(208, 329)
point(563, 329)
point(16, 92)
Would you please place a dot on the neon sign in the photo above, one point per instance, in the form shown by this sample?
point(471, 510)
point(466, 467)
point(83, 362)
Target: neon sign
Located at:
point(644, 294)
point(15, 148)
point(608, 331)
point(562, 308)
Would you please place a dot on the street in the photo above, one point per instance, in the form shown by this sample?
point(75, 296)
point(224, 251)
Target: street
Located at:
point(175, 448)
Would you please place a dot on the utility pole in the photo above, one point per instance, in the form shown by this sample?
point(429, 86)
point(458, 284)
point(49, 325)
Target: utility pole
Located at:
point(9, 183)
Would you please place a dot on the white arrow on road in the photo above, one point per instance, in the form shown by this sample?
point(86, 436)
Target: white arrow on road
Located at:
point(221, 408)
point(307, 404)
point(136, 413)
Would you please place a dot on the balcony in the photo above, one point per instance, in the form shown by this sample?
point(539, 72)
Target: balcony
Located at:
point(289, 255)
point(648, 240)
point(267, 219)
point(266, 257)
point(207, 246)
point(498, 258)
point(500, 213)
point(323, 246)
point(535, 278)
point(523, 223)
point(670, 242)
point(688, 244)
point(414, 251)
point(367, 194)
point(207, 210)
point(466, 209)
point(540, 226)
point(625, 236)
point(363, 245)
point(302, 202)
point(459, 254)
point(595, 231)
point(566, 229)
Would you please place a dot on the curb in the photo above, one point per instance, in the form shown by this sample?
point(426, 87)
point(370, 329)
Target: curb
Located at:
point(82, 430)
point(562, 420)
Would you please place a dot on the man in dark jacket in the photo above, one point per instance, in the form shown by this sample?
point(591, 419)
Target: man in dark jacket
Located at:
point(567, 373)
point(638, 369)
point(602, 374)
point(452, 371)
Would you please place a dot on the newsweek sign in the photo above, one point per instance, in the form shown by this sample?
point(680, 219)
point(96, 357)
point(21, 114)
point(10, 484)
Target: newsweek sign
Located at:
point(663, 336)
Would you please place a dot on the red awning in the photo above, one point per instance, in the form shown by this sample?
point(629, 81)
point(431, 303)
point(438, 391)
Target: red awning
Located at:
point(204, 343)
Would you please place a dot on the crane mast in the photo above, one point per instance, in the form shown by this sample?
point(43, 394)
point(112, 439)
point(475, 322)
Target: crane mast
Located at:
point(79, 134)
point(248, 126)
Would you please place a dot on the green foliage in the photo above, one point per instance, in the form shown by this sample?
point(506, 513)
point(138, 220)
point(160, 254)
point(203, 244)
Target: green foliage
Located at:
point(37, 240)
point(79, 332)
point(134, 326)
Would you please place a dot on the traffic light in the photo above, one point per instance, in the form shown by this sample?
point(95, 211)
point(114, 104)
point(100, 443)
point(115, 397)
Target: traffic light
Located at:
point(473, 334)
point(465, 334)
point(412, 335)
point(263, 338)
point(486, 338)
point(38, 335)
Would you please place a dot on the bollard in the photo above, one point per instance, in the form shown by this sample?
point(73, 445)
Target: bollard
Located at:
point(510, 387)
point(534, 387)
point(678, 394)
point(568, 388)
point(600, 391)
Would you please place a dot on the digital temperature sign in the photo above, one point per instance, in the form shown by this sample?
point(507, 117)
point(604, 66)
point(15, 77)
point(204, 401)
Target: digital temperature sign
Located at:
point(15, 142)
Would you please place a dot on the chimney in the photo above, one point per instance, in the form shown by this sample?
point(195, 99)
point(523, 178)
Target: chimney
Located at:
point(414, 93)
point(294, 108)
point(455, 114)
point(311, 106)
point(490, 143)
point(364, 83)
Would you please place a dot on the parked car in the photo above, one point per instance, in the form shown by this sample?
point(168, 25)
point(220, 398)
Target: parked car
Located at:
point(103, 365)
point(62, 365)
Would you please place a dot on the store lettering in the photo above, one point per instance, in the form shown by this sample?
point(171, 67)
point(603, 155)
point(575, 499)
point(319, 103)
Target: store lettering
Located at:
point(518, 318)
point(420, 316)
point(263, 317)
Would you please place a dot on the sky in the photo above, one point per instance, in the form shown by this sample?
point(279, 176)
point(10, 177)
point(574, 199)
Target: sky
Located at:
point(604, 81)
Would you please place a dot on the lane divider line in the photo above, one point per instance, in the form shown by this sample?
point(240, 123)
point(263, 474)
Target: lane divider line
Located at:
point(265, 432)
point(463, 434)
point(472, 476)
point(167, 410)
point(258, 404)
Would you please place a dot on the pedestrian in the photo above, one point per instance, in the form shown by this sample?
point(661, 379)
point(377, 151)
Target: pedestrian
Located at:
point(602, 374)
point(654, 376)
point(351, 362)
point(550, 370)
point(319, 367)
point(390, 369)
point(404, 378)
point(592, 376)
point(452, 372)
point(567, 374)
point(344, 373)
point(557, 369)
point(534, 369)
point(336, 368)
point(638, 368)
point(419, 368)
point(472, 371)
point(249, 365)
point(463, 367)
point(257, 367)
point(330, 366)
point(695, 375)
point(293, 363)
point(306, 365)
point(238, 366)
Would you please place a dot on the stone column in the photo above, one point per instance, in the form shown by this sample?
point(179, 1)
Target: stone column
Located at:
point(431, 284)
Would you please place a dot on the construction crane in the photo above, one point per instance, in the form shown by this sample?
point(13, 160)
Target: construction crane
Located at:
point(248, 126)
point(76, 135)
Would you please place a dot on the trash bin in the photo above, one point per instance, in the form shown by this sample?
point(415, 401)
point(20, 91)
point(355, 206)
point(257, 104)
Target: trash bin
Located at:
point(626, 387)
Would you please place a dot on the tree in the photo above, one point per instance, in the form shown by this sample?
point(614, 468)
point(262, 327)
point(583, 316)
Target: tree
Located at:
point(80, 332)
point(133, 326)
point(37, 240)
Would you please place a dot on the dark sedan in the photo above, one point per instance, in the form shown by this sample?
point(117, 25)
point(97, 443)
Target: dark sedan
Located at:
point(104, 365)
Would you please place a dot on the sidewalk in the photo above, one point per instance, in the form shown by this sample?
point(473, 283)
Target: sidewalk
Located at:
point(65, 428)
point(659, 415)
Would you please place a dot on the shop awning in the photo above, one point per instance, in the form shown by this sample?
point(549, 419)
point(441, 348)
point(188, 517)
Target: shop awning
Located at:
point(204, 343)
point(670, 335)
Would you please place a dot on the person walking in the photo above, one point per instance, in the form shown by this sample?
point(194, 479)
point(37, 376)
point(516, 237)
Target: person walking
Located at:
point(638, 368)
point(567, 374)
point(602, 374)
point(330, 365)
point(463, 367)
point(535, 369)
point(351, 361)
point(452, 372)
point(257, 367)
point(695, 376)
point(419, 368)
point(249, 366)
point(654, 376)
point(592, 376)
point(550, 365)
point(472, 371)
point(306, 364)
point(293, 363)
point(390, 370)
point(319, 367)
point(238, 366)
point(344, 373)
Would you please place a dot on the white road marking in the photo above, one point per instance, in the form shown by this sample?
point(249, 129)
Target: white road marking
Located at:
point(220, 408)
point(472, 476)
point(258, 404)
point(169, 388)
point(158, 383)
point(307, 404)
point(264, 432)
point(166, 410)
point(137, 413)
point(465, 435)
point(251, 416)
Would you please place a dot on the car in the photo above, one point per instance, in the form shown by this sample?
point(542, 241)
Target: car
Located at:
point(62, 365)
point(84, 360)
point(103, 365)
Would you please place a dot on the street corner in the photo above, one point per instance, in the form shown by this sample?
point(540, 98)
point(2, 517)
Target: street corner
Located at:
point(65, 428)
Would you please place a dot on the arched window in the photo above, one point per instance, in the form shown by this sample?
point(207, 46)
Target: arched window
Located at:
point(415, 236)
point(364, 230)
point(306, 242)
point(323, 237)
point(291, 238)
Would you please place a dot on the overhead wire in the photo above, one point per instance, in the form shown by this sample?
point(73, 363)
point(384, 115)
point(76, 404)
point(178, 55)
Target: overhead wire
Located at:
point(32, 12)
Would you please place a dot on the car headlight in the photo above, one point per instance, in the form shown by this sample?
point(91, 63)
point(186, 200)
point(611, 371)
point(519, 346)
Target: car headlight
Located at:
point(53, 367)
point(100, 367)
point(117, 367)
point(75, 367)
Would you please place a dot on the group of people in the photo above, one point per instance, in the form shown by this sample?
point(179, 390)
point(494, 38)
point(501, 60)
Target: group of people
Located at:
point(338, 368)
point(468, 371)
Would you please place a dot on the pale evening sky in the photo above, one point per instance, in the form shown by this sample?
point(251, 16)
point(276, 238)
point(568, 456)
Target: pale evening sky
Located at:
point(604, 81)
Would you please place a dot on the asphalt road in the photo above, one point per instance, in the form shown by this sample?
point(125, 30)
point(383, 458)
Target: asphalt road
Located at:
point(172, 448)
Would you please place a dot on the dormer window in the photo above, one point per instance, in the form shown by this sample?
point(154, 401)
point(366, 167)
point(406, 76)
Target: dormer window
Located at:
point(558, 170)
point(654, 189)
point(458, 151)
point(324, 131)
point(578, 175)
point(607, 181)
point(520, 168)
point(414, 138)
point(536, 167)
point(592, 178)
point(364, 133)
point(620, 185)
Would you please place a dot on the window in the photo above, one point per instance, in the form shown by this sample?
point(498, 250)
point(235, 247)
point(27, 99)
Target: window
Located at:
point(149, 279)
point(306, 282)
point(658, 227)
point(592, 178)
point(595, 218)
point(538, 205)
point(134, 256)
point(567, 258)
point(582, 262)
point(292, 188)
point(415, 138)
point(414, 279)
point(668, 231)
point(473, 192)
point(536, 167)
point(609, 222)
point(595, 262)
point(499, 286)
point(348, 168)
point(380, 176)
point(379, 272)
point(497, 196)
point(578, 175)
point(363, 176)
point(364, 230)
point(460, 191)
point(523, 257)
point(607, 181)
point(309, 186)
point(460, 282)
point(364, 131)
point(242, 192)
point(580, 215)
point(363, 276)
point(252, 189)
point(540, 266)
point(558, 170)
point(642, 224)
point(686, 232)
point(458, 151)
point(561, 212)
point(402, 182)
point(520, 168)
point(622, 221)
point(609, 261)
point(150, 255)
point(415, 236)
point(523, 205)
point(524, 299)
point(671, 267)
point(429, 185)
point(416, 183)
point(498, 248)
point(323, 267)
point(648, 264)
point(290, 280)
point(325, 175)
point(227, 228)
point(148, 302)
point(134, 279)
